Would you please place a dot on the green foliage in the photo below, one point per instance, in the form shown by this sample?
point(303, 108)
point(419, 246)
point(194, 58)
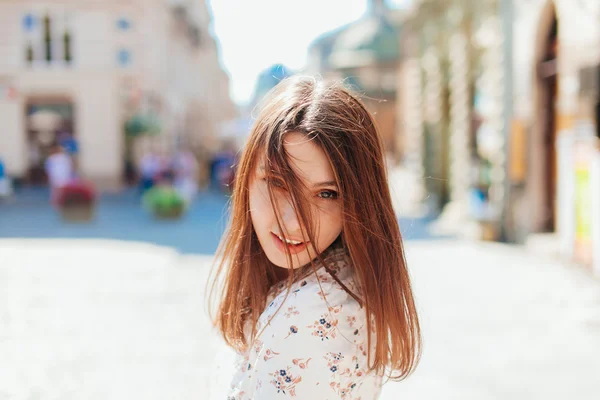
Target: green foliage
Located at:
point(142, 124)
point(164, 201)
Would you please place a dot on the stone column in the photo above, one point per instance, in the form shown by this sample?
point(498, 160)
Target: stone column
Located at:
point(411, 118)
point(459, 128)
point(433, 116)
point(493, 84)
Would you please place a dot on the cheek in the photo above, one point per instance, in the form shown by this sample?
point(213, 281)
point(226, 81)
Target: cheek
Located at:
point(330, 221)
point(260, 206)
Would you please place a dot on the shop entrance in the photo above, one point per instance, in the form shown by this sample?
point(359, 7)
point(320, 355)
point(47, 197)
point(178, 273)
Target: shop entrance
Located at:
point(49, 122)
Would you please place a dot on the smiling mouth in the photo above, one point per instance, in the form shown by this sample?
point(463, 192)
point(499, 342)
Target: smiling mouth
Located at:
point(290, 242)
point(286, 245)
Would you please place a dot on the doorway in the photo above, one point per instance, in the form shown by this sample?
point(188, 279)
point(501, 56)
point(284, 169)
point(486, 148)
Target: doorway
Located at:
point(548, 80)
point(49, 122)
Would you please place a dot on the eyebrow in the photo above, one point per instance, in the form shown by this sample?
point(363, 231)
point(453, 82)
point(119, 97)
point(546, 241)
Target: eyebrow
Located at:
point(315, 185)
point(328, 183)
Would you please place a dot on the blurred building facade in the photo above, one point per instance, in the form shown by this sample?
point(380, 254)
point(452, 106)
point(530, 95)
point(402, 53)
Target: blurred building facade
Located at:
point(452, 89)
point(366, 55)
point(502, 107)
point(96, 65)
point(554, 150)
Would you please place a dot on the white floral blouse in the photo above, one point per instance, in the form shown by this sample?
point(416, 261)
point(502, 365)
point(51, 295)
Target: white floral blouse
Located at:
point(315, 346)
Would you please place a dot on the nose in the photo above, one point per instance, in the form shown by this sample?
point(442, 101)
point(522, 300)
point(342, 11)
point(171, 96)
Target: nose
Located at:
point(289, 218)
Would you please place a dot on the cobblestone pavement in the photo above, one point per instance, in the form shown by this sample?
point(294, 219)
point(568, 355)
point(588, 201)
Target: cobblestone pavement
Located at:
point(94, 319)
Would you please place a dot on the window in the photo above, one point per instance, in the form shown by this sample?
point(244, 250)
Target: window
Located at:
point(48, 39)
point(124, 57)
point(29, 26)
point(67, 46)
point(123, 24)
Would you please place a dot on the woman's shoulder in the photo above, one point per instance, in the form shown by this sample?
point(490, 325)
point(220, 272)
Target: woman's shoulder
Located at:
point(322, 288)
point(317, 337)
point(320, 306)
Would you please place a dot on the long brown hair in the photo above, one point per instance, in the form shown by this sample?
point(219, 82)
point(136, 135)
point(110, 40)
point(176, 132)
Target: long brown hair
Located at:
point(340, 124)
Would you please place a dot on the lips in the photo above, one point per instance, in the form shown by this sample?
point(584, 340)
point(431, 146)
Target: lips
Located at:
point(284, 246)
point(288, 240)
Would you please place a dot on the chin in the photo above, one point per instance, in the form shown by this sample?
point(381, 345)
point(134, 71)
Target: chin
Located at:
point(282, 262)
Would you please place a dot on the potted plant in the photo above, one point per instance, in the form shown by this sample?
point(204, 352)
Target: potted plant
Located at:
point(76, 201)
point(164, 202)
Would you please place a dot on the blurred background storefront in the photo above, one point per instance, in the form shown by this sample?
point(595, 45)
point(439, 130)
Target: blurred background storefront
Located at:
point(102, 73)
point(503, 119)
point(555, 127)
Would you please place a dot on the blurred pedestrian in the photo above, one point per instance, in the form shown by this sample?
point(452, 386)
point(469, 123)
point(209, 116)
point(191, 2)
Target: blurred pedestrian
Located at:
point(67, 141)
point(5, 183)
point(224, 168)
point(164, 174)
point(149, 170)
point(185, 170)
point(59, 169)
point(316, 295)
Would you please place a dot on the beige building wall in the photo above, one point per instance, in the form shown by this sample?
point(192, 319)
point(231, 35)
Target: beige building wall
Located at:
point(90, 83)
point(171, 75)
point(13, 151)
point(579, 36)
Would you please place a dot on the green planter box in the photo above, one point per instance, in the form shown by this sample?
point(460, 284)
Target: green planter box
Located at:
point(164, 203)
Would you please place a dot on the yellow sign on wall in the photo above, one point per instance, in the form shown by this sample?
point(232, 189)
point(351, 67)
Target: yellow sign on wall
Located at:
point(583, 203)
point(518, 152)
point(584, 151)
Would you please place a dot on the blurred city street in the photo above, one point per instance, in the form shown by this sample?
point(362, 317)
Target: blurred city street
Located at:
point(119, 216)
point(122, 125)
point(100, 319)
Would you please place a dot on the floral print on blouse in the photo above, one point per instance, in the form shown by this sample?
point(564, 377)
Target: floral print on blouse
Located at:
point(315, 346)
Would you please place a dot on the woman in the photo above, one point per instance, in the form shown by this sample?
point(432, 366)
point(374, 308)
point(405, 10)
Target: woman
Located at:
point(313, 289)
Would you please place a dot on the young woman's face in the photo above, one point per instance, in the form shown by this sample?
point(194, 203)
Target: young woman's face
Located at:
point(311, 165)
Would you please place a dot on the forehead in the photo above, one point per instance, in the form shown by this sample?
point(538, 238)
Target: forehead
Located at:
point(307, 159)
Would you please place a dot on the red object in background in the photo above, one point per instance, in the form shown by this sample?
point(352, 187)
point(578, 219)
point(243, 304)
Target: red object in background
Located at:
point(77, 193)
point(11, 93)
